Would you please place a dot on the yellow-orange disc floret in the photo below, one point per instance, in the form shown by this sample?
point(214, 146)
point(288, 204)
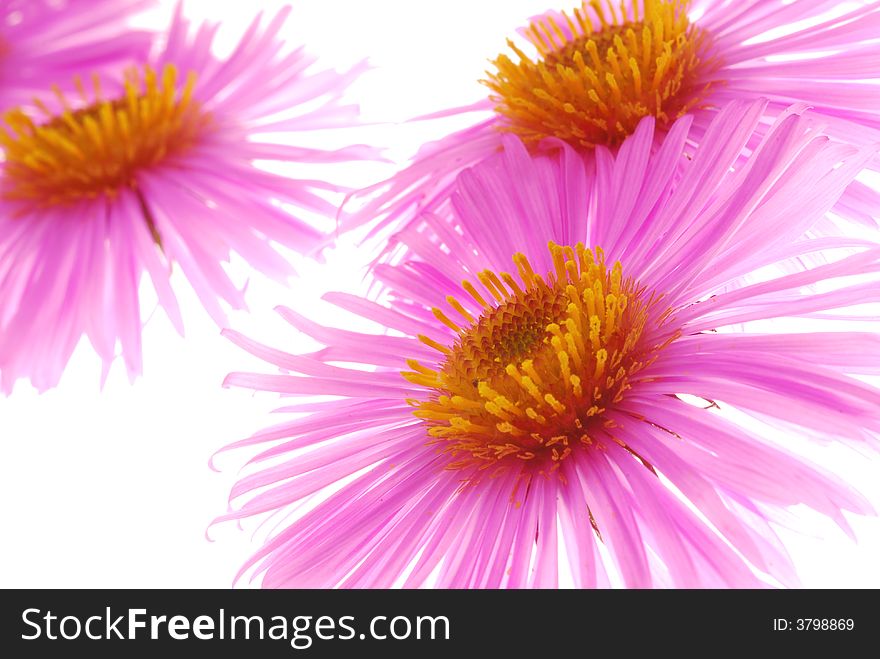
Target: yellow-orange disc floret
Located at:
point(97, 150)
point(530, 379)
point(595, 78)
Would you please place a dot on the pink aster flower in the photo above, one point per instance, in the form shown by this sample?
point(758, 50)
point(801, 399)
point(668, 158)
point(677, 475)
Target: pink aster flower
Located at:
point(45, 43)
point(526, 397)
point(589, 76)
point(131, 177)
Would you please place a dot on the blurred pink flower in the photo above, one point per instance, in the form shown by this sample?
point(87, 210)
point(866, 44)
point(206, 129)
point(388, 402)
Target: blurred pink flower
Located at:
point(588, 77)
point(45, 43)
point(503, 416)
point(135, 175)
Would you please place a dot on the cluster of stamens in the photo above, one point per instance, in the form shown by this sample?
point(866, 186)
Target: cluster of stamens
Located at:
point(97, 149)
point(530, 378)
point(601, 70)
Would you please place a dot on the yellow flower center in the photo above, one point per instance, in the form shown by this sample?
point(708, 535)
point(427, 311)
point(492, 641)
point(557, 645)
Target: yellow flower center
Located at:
point(98, 149)
point(596, 78)
point(529, 380)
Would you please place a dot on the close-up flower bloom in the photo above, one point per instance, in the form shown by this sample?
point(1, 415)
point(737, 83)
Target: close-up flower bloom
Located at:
point(555, 375)
point(44, 43)
point(156, 167)
point(589, 76)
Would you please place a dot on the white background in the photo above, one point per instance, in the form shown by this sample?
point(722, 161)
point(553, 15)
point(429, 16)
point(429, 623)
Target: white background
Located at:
point(111, 488)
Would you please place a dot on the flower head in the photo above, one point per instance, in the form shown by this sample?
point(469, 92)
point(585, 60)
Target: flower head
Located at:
point(589, 76)
point(132, 174)
point(44, 43)
point(556, 369)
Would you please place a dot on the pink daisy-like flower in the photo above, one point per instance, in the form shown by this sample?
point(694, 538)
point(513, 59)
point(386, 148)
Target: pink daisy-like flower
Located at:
point(510, 414)
point(131, 177)
point(45, 43)
point(589, 76)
